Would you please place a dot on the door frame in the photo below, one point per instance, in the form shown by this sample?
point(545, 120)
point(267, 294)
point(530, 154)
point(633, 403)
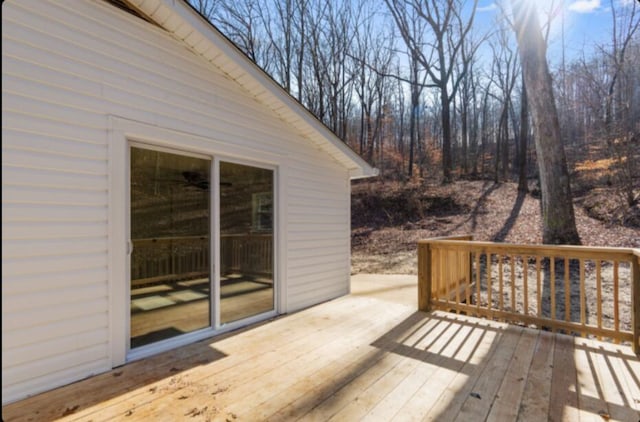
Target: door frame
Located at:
point(124, 133)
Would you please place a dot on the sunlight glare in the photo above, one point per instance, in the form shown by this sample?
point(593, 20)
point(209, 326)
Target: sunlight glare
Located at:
point(557, 14)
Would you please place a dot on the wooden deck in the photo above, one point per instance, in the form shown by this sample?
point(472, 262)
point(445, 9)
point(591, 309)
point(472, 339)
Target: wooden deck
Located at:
point(367, 356)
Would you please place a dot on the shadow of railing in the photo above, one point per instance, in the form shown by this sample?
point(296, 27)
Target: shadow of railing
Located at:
point(441, 344)
point(469, 366)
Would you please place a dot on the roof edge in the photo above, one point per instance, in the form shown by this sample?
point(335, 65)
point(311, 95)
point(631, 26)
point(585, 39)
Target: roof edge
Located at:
point(162, 11)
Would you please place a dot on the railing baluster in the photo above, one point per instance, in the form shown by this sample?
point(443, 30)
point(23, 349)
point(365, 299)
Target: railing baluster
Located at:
point(478, 285)
point(448, 275)
point(512, 263)
point(539, 286)
point(467, 288)
point(525, 279)
point(635, 302)
point(459, 272)
point(583, 299)
point(500, 287)
point(439, 273)
point(489, 270)
point(434, 273)
point(552, 283)
point(478, 278)
point(567, 291)
point(450, 269)
point(599, 293)
point(616, 315)
point(443, 274)
point(442, 282)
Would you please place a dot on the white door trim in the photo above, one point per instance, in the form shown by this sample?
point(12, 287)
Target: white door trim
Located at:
point(121, 134)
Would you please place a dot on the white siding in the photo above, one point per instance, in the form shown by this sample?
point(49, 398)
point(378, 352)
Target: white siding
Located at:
point(66, 67)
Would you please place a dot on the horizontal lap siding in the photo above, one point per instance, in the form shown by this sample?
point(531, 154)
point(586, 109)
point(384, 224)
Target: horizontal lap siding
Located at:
point(67, 66)
point(318, 236)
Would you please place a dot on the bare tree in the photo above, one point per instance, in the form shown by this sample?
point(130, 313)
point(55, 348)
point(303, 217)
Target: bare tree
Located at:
point(559, 225)
point(505, 69)
point(625, 25)
point(619, 128)
point(206, 8)
point(468, 101)
point(340, 60)
point(240, 21)
point(438, 54)
point(278, 22)
point(300, 12)
point(329, 37)
point(373, 50)
point(475, 133)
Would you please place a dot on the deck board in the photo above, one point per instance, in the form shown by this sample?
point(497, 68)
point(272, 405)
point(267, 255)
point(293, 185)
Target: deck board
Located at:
point(627, 377)
point(477, 355)
point(515, 379)
point(368, 356)
point(348, 368)
point(564, 390)
point(477, 404)
point(537, 393)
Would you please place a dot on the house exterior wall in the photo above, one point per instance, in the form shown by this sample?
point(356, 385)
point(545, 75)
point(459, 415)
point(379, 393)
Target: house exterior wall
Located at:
point(68, 69)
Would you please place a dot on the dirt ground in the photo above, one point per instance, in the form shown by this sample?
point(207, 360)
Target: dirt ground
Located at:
point(388, 219)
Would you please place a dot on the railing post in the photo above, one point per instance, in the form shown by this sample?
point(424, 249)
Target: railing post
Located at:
point(424, 277)
point(635, 302)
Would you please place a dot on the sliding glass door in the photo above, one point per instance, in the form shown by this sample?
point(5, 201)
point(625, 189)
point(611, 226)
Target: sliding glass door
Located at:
point(173, 290)
point(171, 237)
point(246, 241)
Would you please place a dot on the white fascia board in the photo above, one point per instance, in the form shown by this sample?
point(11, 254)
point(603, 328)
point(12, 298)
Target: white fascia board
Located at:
point(275, 98)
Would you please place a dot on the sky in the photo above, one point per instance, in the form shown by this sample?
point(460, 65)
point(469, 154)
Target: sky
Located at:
point(584, 23)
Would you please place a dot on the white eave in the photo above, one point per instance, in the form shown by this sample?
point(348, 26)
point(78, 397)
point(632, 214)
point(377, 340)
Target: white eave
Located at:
point(180, 19)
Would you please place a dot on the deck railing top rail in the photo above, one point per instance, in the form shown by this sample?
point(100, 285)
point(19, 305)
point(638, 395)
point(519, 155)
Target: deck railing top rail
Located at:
point(572, 251)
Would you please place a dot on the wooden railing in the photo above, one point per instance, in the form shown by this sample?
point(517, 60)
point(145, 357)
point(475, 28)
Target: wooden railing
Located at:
point(171, 259)
point(574, 289)
point(247, 253)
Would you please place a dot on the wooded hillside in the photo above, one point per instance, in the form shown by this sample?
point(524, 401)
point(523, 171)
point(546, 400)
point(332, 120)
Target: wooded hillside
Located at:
point(425, 93)
point(420, 87)
point(388, 218)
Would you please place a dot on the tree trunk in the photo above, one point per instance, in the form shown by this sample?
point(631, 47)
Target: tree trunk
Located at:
point(412, 139)
point(415, 103)
point(474, 129)
point(496, 168)
point(465, 136)
point(559, 225)
point(483, 130)
point(446, 135)
point(504, 123)
point(523, 186)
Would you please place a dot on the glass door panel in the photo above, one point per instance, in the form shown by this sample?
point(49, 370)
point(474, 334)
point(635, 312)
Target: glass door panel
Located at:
point(246, 241)
point(170, 234)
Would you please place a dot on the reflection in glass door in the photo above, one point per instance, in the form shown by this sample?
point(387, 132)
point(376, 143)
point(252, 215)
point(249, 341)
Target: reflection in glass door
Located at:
point(170, 235)
point(246, 241)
